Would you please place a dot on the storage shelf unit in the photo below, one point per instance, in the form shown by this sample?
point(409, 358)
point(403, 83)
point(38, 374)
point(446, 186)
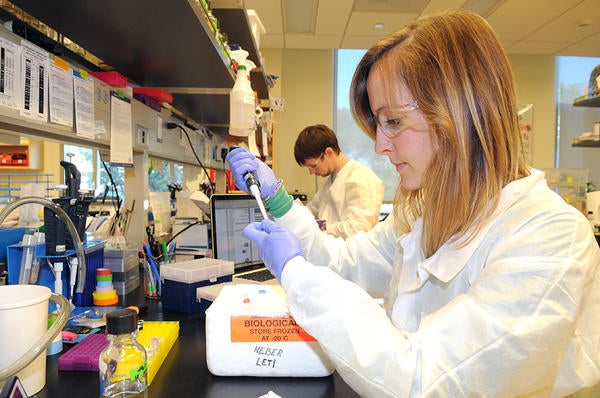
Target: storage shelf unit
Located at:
point(587, 101)
point(14, 156)
point(11, 183)
point(586, 143)
point(157, 43)
point(591, 102)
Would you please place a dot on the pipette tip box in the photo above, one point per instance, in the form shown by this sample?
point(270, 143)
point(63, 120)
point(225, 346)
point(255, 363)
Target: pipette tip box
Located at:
point(180, 281)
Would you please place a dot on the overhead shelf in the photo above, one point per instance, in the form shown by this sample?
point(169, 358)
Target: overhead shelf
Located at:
point(587, 101)
point(234, 21)
point(157, 43)
point(585, 143)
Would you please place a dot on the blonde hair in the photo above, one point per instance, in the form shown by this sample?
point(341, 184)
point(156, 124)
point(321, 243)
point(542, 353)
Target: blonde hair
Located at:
point(457, 71)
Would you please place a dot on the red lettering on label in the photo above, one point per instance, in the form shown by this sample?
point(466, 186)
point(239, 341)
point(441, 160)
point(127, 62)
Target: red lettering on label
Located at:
point(249, 329)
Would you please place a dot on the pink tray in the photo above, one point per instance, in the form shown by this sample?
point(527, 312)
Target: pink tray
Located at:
point(84, 355)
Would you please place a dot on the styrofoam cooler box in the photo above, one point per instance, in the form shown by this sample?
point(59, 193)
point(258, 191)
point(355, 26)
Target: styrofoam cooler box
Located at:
point(180, 281)
point(250, 332)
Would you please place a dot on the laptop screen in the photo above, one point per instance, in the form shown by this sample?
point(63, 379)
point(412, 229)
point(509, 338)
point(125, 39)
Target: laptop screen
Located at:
point(230, 213)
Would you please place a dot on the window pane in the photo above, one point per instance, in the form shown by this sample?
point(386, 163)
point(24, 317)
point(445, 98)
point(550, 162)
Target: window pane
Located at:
point(160, 176)
point(104, 180)
point(178, 168)
point(83, 159)
point(163, 173)
point(573, 74)
point(93, 174)
point(158, 179)
point(353, 142)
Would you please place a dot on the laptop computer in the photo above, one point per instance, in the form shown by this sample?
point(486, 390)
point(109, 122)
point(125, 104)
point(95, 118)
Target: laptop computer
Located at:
point(230, 213)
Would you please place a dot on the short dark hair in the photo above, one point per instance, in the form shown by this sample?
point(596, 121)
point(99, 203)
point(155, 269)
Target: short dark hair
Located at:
point(312, 142)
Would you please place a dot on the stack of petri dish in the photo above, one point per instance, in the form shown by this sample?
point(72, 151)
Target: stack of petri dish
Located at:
point(105, 293)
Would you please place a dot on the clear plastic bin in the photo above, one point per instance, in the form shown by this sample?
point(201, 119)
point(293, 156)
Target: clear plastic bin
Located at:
point(570, 184)
point(567, 176)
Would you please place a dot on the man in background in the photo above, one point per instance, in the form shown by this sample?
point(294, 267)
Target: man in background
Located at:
point(350, 198)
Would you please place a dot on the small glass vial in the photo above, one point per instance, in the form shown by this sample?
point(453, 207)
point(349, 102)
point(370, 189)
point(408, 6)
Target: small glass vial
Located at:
point(123, 363)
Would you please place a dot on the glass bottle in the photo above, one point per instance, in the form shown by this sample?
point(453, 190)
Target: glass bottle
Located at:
point(123, 363)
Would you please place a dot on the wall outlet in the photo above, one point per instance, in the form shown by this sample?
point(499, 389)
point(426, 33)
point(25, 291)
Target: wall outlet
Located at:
point(141, 135)
point(219, 153)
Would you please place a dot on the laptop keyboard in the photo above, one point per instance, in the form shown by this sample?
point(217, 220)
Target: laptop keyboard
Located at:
point(258, 276)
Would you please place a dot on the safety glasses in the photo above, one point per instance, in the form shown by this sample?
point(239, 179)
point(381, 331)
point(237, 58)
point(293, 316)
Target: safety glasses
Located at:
point(392, 121)
point(314, 166)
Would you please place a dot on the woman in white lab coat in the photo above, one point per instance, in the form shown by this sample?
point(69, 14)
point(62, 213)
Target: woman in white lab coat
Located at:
point(491, 279)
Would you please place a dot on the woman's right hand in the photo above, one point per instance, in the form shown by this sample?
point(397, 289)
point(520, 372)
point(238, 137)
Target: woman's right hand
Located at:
point(241, 162)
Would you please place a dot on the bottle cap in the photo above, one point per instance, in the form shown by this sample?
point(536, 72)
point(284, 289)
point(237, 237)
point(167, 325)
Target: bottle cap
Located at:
point(121, 321)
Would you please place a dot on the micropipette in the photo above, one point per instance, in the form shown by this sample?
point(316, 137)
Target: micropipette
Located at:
point(254, 188)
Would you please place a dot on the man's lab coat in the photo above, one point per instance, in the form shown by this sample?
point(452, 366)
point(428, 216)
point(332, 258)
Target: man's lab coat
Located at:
point(350, 202)
point(516, 311)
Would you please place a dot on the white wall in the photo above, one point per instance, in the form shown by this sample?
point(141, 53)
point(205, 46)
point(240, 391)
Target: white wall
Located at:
point(306, 83)
point(535, 78)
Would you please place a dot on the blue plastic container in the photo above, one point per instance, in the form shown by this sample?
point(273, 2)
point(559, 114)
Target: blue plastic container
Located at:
point(94, 259)
point(181, 296)
point(9, 236)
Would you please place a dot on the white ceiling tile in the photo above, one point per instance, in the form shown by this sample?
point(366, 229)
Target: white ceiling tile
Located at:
point(436, 6)
point(565, 29)
point(582, 50)
point(359, 42)
point(294, 40)
point(593, 40)
point(393, 6)
point(507, 43)
point(482, 7)
point(332, 16)
point(516, 19)
point(270, 14)
point(533, 47)
point(530, 26)
point(363, 23)
point(299, 16)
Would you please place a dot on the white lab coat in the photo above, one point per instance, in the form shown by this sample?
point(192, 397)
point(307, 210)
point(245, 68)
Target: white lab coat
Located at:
point(351, 202)
point(514, 312)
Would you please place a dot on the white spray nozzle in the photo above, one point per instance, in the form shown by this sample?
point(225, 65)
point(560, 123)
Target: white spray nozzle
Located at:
point(239, 56)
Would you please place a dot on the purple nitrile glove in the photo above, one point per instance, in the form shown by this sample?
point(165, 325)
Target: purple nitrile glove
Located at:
point(241, 162)
point(276, 245)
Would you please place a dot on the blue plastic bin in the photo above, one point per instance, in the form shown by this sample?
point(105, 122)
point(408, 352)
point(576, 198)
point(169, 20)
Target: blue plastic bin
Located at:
point(9, 236)
point(94, 259)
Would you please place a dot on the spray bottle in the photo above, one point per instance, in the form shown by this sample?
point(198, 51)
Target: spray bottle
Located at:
point(242, 103)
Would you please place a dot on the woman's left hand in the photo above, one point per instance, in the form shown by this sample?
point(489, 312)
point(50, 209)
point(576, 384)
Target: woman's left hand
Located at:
point(277, 245)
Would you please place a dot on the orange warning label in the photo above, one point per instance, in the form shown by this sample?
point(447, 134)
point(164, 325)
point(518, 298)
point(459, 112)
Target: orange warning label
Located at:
point(251, 329)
